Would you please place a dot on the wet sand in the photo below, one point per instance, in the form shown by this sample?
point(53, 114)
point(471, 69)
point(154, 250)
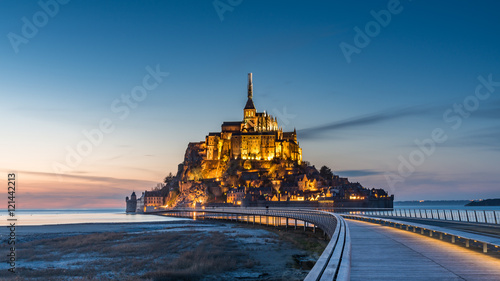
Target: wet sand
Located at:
point(179, 250)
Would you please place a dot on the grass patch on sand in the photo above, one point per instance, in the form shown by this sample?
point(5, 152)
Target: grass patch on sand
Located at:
point(313, 243)
point(227, 253)
point(176, 255)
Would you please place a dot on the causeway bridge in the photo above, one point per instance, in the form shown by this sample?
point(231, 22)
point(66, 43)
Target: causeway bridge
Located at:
point(384, 245)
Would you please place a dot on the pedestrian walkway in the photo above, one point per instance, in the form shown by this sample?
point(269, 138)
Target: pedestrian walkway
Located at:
point(385, 253)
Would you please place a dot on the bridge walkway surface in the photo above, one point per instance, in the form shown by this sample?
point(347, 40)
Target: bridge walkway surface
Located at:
point(384, 253)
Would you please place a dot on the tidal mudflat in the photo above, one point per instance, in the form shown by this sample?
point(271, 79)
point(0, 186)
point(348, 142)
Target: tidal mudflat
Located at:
point(183, 250)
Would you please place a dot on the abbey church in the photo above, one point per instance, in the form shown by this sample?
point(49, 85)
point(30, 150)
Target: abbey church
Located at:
point(252, 162)
point(256, 137)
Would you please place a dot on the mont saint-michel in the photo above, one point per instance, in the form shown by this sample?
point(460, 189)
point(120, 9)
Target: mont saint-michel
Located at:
point(253, 162)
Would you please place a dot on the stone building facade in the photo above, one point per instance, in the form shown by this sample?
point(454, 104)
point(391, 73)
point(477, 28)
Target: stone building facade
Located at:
point(256, 137)
point(131, 203)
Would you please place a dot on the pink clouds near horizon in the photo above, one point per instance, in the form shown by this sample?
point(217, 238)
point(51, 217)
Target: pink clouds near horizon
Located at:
point(38, 190)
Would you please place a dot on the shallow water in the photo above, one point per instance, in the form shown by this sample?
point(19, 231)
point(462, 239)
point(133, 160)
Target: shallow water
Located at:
point(55, 217)
point(51, 217)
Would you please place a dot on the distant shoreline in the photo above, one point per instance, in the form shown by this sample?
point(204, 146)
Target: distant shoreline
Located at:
point(486, 202)
point(478, 204)
point(431, 201)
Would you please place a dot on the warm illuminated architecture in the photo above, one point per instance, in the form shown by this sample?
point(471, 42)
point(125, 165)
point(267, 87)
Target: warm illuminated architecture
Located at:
point(153, 198)
point(304, 184)
point(257, 137)
point(236, 196)
point(253, 163)
point(148, 200)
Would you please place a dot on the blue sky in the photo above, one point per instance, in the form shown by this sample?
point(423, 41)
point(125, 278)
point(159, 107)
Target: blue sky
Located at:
point(358, 117)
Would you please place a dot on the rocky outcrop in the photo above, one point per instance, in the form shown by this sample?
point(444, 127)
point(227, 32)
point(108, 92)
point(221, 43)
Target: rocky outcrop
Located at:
point(192, 192)
point(193, 159)
point(195, 152)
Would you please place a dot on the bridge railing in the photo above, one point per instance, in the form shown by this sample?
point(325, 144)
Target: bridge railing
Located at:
point(334, 262)
point(476, 216)
point(324, 220)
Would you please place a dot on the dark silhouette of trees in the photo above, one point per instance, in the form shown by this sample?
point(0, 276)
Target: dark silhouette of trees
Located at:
point(168, 179)
point(326, 173)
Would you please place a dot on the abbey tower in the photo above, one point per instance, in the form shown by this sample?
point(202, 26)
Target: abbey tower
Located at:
point(256, 137)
